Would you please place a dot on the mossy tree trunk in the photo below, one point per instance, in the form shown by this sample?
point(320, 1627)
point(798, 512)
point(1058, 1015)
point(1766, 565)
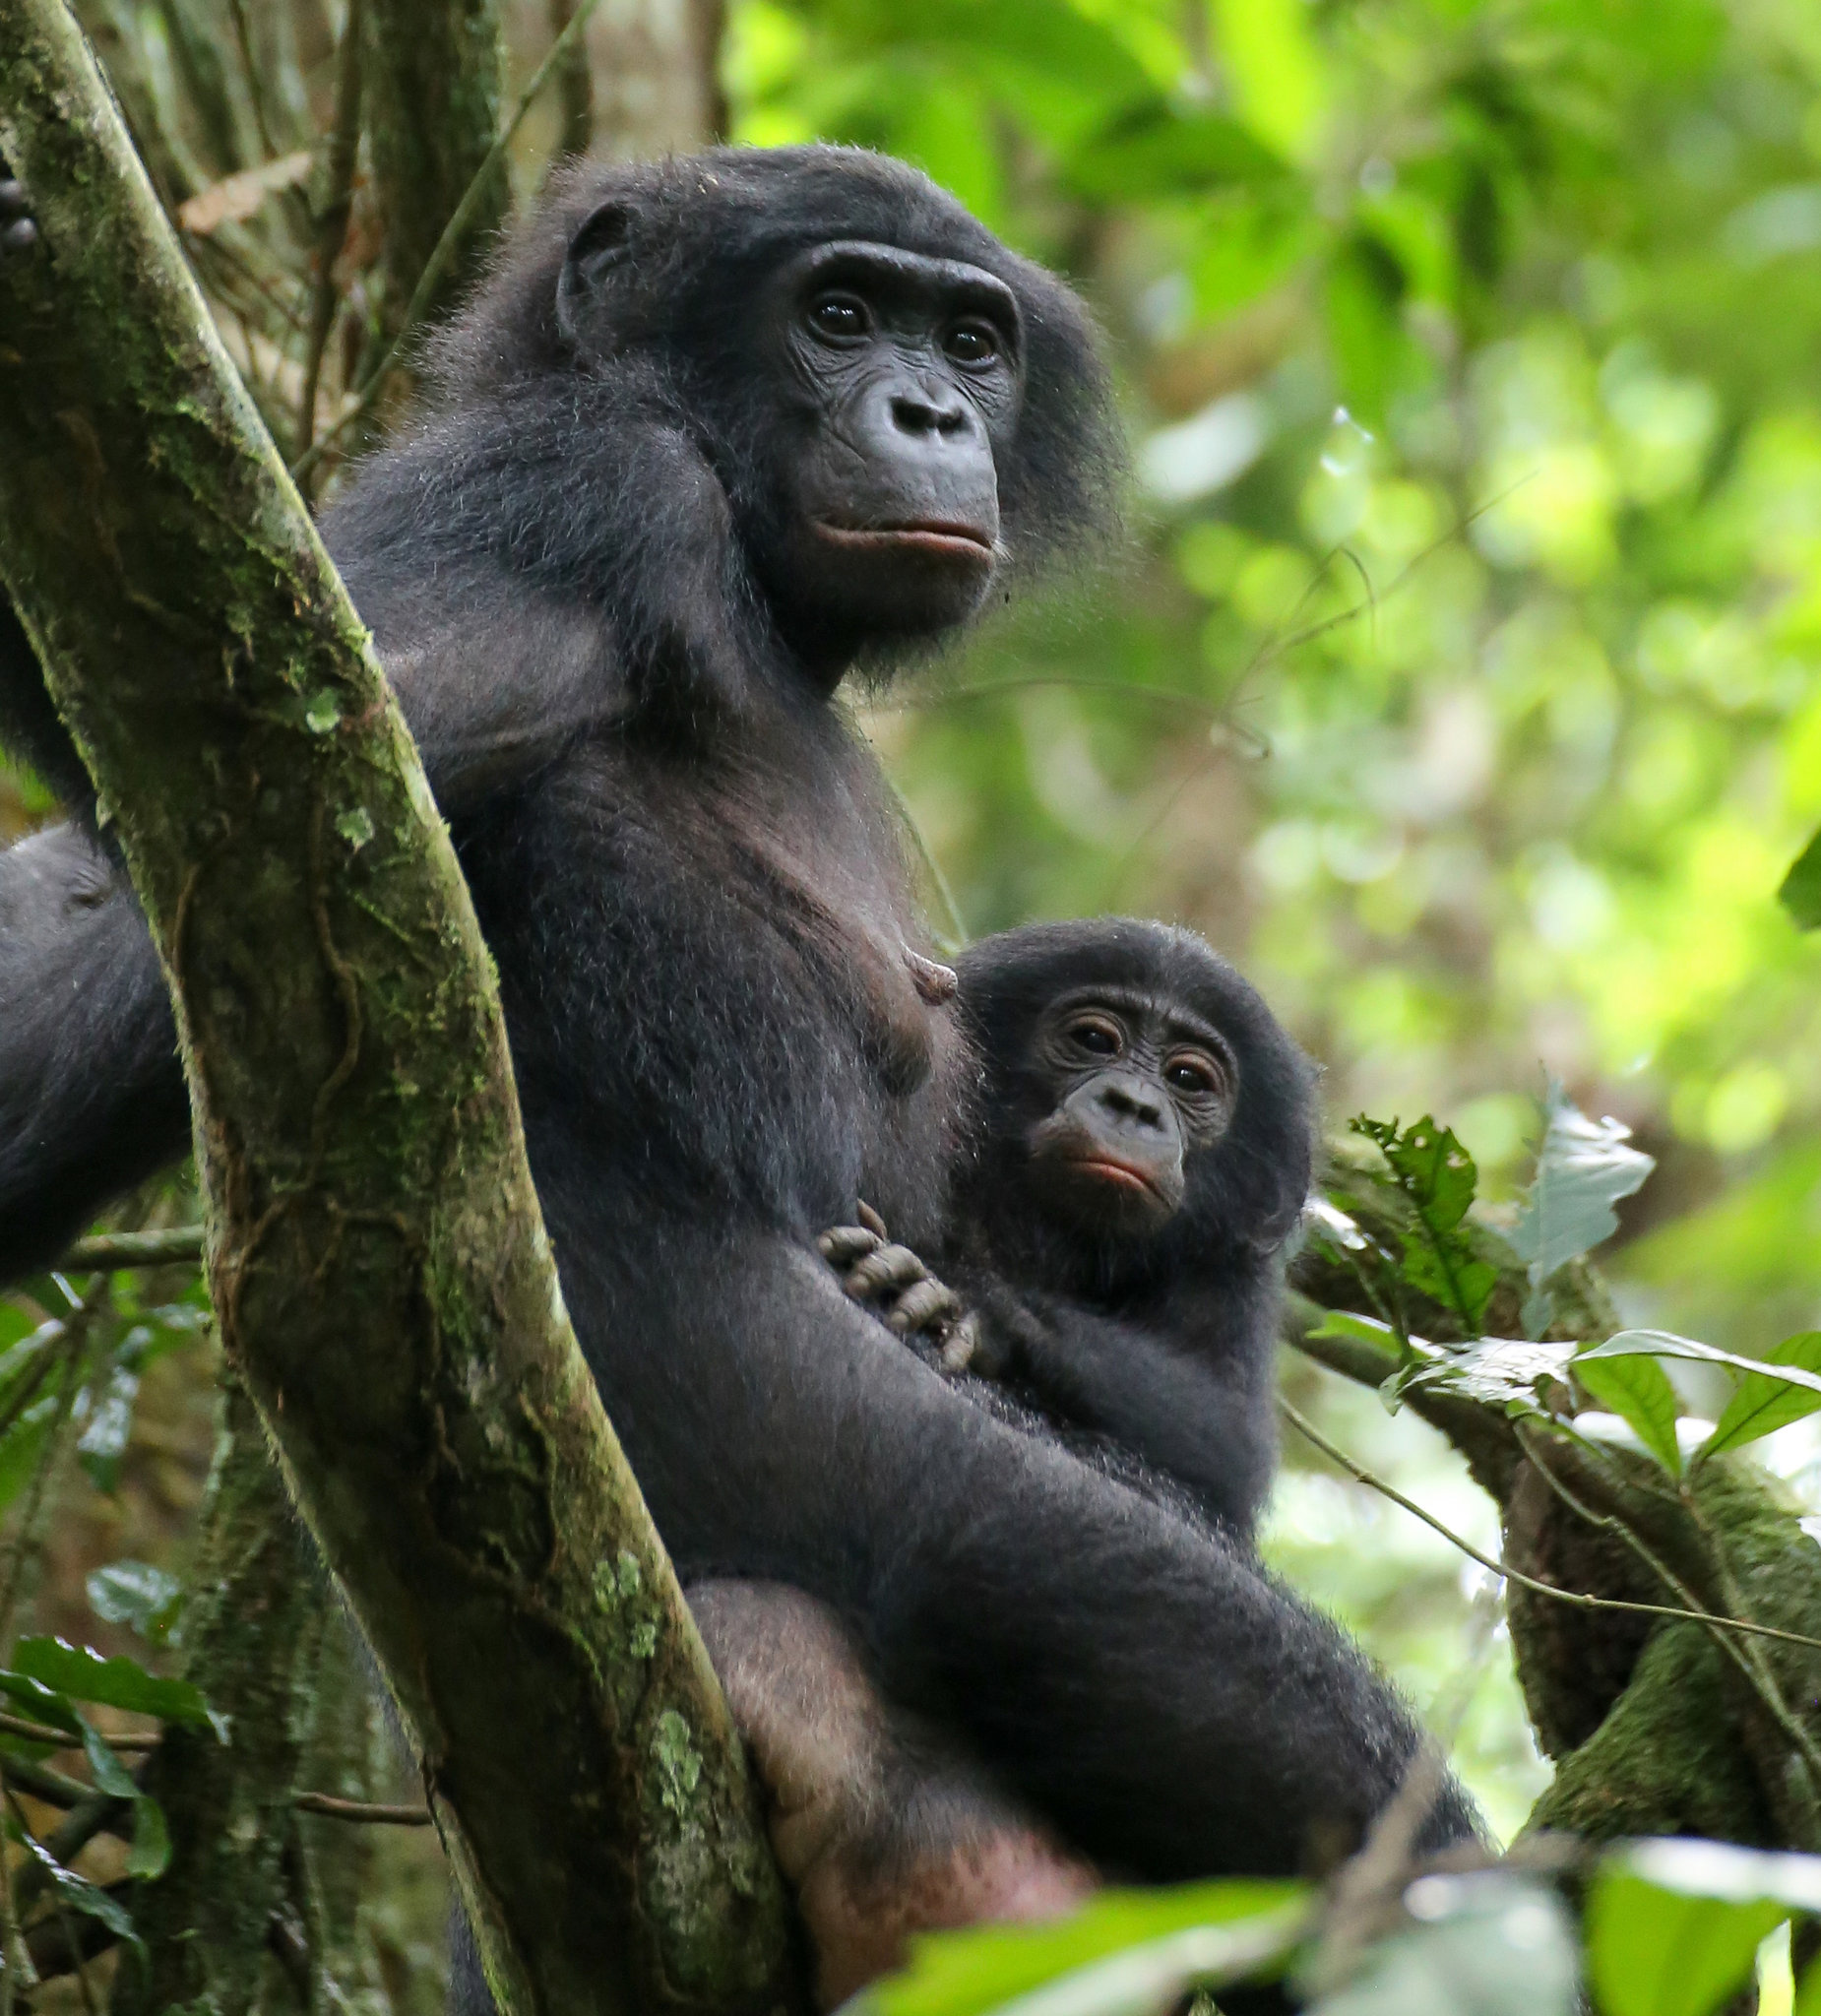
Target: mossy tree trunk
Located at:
point(380, 1270)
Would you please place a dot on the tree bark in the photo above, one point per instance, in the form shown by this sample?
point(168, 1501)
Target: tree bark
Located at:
point(432, 98)
point(379, 1266)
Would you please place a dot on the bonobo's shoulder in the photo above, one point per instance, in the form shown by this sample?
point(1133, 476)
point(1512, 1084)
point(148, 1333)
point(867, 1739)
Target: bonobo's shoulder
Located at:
point(46, 877)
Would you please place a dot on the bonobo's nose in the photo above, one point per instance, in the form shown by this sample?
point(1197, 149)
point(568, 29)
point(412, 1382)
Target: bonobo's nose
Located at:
point(1130, 1100)
point(920, 414)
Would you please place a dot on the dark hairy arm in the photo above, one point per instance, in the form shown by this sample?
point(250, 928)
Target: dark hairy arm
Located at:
point(1202, 1417)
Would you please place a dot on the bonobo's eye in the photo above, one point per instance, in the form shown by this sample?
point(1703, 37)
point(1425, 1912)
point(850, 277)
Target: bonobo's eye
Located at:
point(1194, 1072)
point(1098, 1034)
point(972, 342)
point(839, 318)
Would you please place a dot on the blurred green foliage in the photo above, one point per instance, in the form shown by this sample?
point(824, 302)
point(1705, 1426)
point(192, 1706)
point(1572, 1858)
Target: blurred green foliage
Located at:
point(1460, 678)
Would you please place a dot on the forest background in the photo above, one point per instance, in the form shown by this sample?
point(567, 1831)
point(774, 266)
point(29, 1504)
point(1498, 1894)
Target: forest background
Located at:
point(1459, 680)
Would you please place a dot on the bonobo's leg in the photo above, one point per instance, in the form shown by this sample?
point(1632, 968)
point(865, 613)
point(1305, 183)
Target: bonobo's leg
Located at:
point(92, 1093)
point(1143, 1686)
point(880, 1828)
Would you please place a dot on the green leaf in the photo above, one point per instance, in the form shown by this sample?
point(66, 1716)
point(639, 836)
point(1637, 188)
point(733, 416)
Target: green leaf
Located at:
point(1125, 1949)
point(1157, 152)
point(1673, 1927)
point(108, 1427)
point(40, 1703)
point(1583, 1168)
point(79, 1894)
point(138, 1595)
point(1760, 1405)
point(1501, 1372)
point(1801, 894)
point(1638, 1390)
point(149, 1855)
point(118, 1682)
point(1437, 1176)
point(110, 1775)
point(1486, 1944)
point(1664, 1344)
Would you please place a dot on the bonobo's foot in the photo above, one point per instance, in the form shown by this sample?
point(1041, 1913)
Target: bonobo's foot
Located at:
point(879, 1831)
point(18, 230)
point(896, 1285)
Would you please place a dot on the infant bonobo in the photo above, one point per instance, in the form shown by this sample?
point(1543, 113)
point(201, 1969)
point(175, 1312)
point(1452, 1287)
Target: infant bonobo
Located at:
point(1114, 1259)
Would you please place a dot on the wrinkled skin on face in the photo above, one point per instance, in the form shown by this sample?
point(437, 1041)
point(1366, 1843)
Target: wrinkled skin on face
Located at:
point(905, 375)
point(1139, 1083)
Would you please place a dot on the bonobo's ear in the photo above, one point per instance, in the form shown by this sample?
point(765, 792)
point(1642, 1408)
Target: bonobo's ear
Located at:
point(602, 242)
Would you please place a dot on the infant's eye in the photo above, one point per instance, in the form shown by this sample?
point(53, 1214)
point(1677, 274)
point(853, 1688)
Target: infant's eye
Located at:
point(1097, 1035)
point(838, 318)
point(972, 342)
point(1190, 1071)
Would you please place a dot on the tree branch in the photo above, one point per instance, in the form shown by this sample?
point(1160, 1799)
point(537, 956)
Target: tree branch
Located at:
point(380, 1270)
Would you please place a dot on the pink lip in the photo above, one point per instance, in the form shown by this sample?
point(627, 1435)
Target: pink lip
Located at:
point(1107, 1169)
point(942, 538)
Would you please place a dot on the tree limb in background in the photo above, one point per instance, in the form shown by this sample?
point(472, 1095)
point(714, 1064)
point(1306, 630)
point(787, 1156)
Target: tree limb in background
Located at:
point(380, 1270)
point(432, 100)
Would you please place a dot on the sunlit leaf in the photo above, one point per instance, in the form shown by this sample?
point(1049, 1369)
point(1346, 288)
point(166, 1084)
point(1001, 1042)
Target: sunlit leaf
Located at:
point(108, 1427)
point(1484, 1945)
point(1583, 1168)
point(118, 1682)
point(1511, 1372)
point(1664, 1344)
point(1673, 1927)
point(1762, 1405)
point(1638, 1390)
point(1125, 1949)
point(135, 1594)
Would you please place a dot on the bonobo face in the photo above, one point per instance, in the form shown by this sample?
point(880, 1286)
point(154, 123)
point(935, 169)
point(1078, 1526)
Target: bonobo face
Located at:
point(901, 375)
point(1139, 1085)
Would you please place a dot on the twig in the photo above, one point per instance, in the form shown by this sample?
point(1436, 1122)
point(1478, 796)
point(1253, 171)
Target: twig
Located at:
point(332, 225)
point(61, 1738)
point(454, 231)
point(1760, 1680)
point(361, 1810)
point(181, 1246)
point(1578, 1598)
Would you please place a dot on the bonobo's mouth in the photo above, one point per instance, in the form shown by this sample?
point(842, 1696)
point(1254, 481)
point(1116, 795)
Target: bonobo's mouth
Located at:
point(941, 538)
point(1122, 1175)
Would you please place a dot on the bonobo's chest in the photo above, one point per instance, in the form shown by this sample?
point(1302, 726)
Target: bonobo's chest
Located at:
point(718, 954)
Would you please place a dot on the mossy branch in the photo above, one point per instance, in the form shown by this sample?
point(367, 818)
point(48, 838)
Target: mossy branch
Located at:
point(380, 1270)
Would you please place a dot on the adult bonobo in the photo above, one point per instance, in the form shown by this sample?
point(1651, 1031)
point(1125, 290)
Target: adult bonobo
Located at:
point(715, 431)
point(1145, 1133)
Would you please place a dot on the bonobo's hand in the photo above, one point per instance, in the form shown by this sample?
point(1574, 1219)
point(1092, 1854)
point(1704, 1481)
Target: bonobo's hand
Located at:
point(896, 1285)
point(18, 231)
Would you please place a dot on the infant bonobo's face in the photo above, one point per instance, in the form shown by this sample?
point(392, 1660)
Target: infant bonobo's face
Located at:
point(1137, 1084)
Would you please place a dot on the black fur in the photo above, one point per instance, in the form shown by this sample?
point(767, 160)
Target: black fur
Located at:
point(688, 872)
point(1159, 1343)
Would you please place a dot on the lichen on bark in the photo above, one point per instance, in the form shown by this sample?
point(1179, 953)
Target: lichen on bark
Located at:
point(381, 1274)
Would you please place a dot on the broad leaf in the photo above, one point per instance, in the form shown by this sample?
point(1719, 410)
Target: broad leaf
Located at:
point(108, 1427)
point(118, 1682)
point(135, 1594)
point(1124, 1950)
point(149, 1854)
point(1801, 894)
point(1638, 1390)
point(1487, 1944)
point(1664, 1344)
point(1761, 1403)
point(77, 1893)
point(1502, 1372)
point(1437, 1176)
point(1673, 1927)
point(1583, 1168)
